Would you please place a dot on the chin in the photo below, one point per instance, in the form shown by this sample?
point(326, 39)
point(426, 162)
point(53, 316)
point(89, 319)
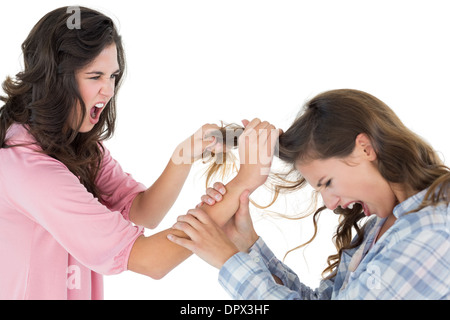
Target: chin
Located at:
point(383, 215)
point(86, 128)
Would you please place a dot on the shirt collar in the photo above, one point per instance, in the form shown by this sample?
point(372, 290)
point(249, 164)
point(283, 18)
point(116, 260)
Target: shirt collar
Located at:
point(18, 133)
point(409, 204)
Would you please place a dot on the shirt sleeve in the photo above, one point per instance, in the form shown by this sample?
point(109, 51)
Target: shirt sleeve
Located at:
point(118, 188)
point(45, 191)
point(249, 276)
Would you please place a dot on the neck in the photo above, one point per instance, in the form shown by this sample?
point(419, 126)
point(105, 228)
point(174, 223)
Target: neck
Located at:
point(402, 192)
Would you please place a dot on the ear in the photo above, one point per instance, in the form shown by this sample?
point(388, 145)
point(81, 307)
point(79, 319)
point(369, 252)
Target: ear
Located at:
point(363, 145)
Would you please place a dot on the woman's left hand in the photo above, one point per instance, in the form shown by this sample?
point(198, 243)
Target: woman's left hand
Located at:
point(193, 147)
point(207, 240)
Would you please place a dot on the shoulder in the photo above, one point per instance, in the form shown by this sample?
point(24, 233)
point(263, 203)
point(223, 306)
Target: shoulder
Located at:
point(430, 219)
point(411, 222)
point(419, 234)
point(24, 154)
point(18, 134)
point(24, 167)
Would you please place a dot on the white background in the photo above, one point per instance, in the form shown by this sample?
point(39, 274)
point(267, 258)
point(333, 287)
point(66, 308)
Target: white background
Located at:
point(193, 62)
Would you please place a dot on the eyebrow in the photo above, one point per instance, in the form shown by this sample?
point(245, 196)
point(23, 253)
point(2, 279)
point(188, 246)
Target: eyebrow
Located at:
point(101, 73)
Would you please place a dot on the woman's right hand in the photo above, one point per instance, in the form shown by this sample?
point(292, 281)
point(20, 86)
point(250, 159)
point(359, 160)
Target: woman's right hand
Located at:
point(256, 150)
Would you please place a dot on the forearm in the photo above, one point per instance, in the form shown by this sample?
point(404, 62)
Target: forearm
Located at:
point(222, 211)
point(155, 256)
point(150, 206)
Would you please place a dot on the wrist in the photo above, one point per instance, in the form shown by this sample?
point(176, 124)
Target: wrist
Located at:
point(226, 257)
point(253, 240)
point(249, 243)
point(245, 183)
point(183, 155)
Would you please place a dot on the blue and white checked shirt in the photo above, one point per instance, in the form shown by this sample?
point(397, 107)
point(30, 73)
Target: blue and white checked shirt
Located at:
point(411, 260)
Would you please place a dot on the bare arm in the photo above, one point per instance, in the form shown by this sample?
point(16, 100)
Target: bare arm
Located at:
point(150, 206)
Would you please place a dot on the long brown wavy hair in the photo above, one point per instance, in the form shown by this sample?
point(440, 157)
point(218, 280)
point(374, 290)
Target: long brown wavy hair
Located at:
point(45, 93)
point(327, 127)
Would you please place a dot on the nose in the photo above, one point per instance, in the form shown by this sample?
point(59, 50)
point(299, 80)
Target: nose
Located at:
point(331, 201)
point(107, 88)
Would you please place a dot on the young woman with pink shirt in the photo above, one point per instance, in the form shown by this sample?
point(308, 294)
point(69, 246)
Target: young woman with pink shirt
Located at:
point(68, 212)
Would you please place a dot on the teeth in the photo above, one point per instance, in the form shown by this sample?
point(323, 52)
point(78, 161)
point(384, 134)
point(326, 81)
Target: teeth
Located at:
point(99, 105)
point(350, 206)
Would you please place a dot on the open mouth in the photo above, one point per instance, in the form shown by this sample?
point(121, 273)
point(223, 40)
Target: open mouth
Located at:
point(96, 111)
point(364, 206)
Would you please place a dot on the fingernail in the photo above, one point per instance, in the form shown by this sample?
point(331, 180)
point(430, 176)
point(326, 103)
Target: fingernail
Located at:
point(222, 190)
point(210, 201)
point(217, 196)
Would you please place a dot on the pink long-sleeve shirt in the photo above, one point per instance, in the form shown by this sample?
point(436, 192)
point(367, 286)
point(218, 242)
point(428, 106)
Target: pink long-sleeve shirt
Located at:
point(56, 239)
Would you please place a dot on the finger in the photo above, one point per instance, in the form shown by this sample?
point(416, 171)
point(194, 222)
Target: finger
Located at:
point(276, 135)
point(245, 122)
point(244, 197)
point(255, 130)
point(264, 131)
point(188, 224)
point(186, 228)
point(201, 216)
point(273, 138)
point(262, 125)
point(208, 128)
point(273, 141)
point(243, 203)
point(252, 124)
point(264, 128)
point(186, 243)
point(207, 199)
point(248, 136)
point(190, 220)
point(219, 186)
point(199, 205)
point(213, 193)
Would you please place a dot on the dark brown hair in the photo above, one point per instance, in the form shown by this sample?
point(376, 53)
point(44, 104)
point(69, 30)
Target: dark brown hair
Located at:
point(45, 93)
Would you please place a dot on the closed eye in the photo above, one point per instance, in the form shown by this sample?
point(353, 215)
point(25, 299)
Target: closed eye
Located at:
point(327, 184)
point(113, 76)
point(99, 74)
